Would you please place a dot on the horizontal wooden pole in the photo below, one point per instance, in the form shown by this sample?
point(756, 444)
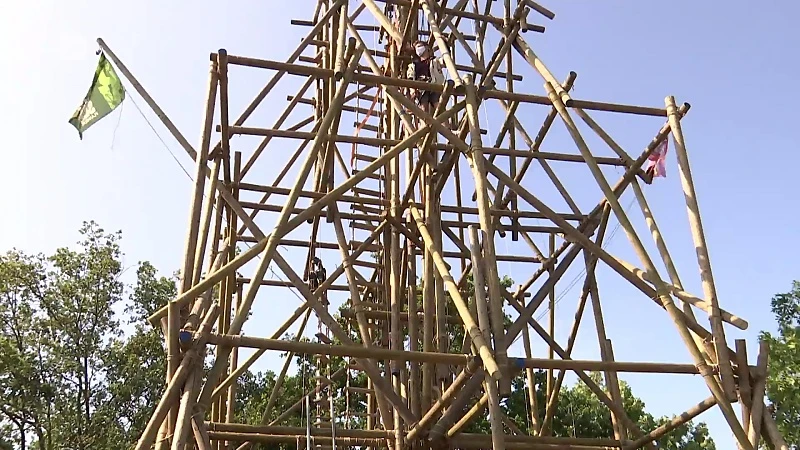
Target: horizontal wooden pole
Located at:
point(306, 244)
point(504, 258)
point(386, 315)
point(300, 210)
point(278, 430)
point(611, 366)
point(475, 438)
point(551, 156)
point(525, 228)
point(508, 213)
point(310, 348)
point(300, 439)
point(309, 194)
point(289, 284)
point(377, 80)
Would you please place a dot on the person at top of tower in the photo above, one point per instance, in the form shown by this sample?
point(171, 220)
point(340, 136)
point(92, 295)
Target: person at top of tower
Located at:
point(425, 67)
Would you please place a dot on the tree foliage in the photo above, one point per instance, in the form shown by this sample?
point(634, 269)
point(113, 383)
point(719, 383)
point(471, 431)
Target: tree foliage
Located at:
point(783, 381)
point(68, 376)
point(71, 378)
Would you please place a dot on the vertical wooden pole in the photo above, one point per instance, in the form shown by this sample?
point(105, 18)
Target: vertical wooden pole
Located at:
point(428, 298)
point(416, 395)
point(531, 381)
point(272, 240)
point(745, 391)
point(661, 289)
point(709, 290)
point(552, 315)
point(190, 264)
point(476, 160)
point(757, 412)
point(208, 213)
point(585, 292)
point(184, 422)
point(498, 441)
point(772, 432)
point(395, 258)
point(669, 264)
point(612, 382)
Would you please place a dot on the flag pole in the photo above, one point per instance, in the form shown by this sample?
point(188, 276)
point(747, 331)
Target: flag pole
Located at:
point(148, 99)
point(171, 332)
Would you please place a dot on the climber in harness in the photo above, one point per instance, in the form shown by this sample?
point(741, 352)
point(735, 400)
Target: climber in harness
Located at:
point(425, 67)
point(316, 276)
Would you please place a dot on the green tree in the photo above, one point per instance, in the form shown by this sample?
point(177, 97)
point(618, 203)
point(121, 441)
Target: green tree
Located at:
point(25, 369)
point(83, 289)
point(135, 366)
point(783, 381)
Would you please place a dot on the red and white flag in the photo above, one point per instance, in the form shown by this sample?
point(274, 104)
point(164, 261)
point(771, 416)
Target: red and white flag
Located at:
point(657, 161)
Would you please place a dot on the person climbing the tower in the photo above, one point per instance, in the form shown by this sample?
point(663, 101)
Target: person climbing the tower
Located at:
point(316, 276)
point(425, 67)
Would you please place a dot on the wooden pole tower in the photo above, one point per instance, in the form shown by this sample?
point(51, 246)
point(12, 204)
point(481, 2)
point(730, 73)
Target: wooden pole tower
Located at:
point(393, 208)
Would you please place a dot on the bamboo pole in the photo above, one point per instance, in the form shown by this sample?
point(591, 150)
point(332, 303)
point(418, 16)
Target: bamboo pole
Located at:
point(468, 416)
point(208, 211)
point(698, 236)
point(368, 366)
point(184, 421)
point(551, 295)
point(313, 209)
point(533, 404)
point(273, 396)
point(471, 370)
point(439, 429)
point(360, 352)
point(366, 337)
point(440, 43)
point(472, 328)
point(187, 274)
point(187, 366)
point(772, 432)
point(744, 383)
point(490, 386)
point(676, 421)
point(612, 382)
point(663, 294)
point(495, 301)
point(585, 292)
point(757, 412)
point(200, 432)
point(667, 260)
point(272, 240)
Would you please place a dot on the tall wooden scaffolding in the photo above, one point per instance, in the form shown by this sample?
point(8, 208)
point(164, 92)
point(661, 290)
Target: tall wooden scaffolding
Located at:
point(395, 215)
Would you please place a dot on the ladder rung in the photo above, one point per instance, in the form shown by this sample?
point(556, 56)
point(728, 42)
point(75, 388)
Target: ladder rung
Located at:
point(365, 96)
point(359, 390)
point(367, 127)
point(365, 305)
point(323, 379)
point(324, 339)
point(368, 192)
point(373, 175)
point(366, 264)
point(362, 157)
point(366, 209)
point(362, 226)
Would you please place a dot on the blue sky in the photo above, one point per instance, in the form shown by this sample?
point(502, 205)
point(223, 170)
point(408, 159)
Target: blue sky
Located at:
point(729, 62)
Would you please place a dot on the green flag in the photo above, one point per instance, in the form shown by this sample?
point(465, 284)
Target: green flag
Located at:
point(105, 94)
